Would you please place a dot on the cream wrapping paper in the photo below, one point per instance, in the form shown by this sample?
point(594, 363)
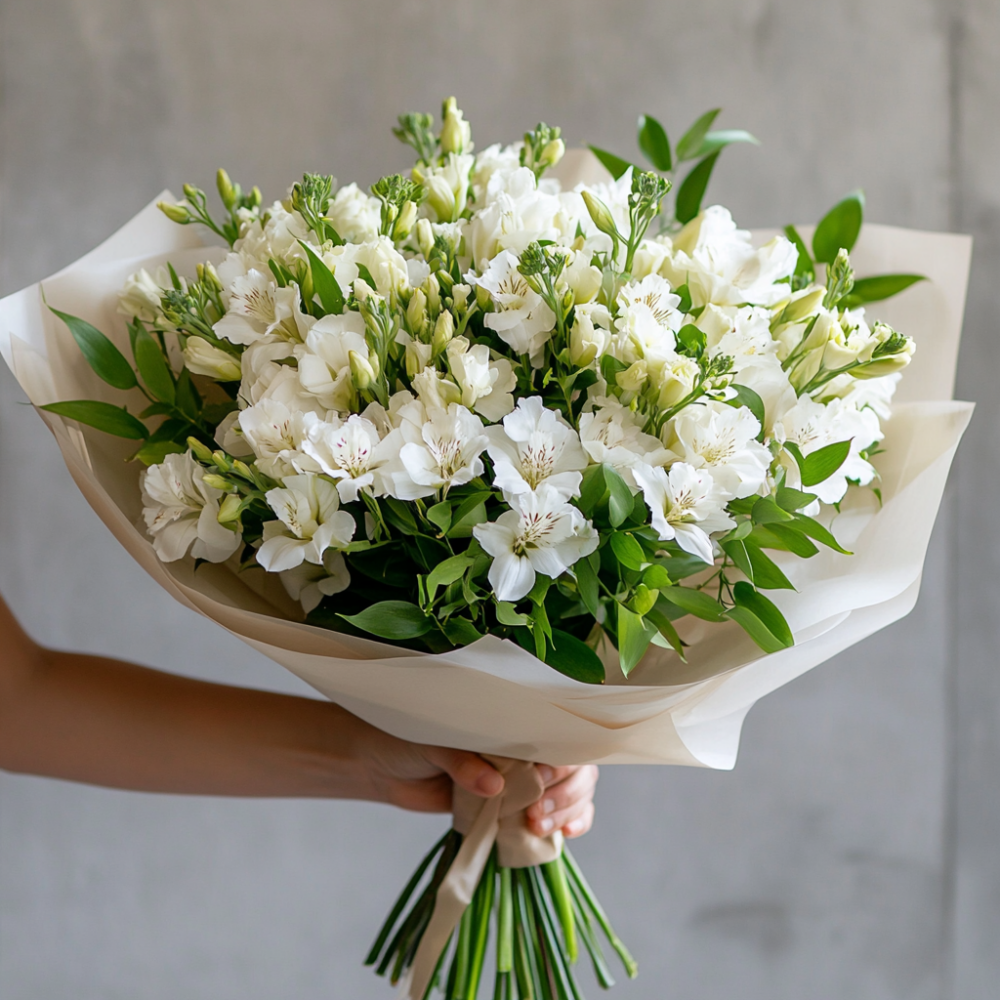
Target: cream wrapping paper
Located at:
point(492, 696)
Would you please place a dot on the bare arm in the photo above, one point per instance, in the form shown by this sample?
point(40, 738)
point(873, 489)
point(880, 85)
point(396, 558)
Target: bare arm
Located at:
point(105, 722)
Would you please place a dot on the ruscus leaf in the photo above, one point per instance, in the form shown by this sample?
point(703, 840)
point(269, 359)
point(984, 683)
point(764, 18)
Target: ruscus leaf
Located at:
point(109, 364)
point(634, 637)
point(620, 500)
point(615, 165)
point(695, 602)
point(879, 287)
point(689, 147)
point(692, 191)
point(574, 658)
point(391, 620)
point(105, 417)
point(326, 285)
point(153, 367)
point(839, 228)
point(654, 143)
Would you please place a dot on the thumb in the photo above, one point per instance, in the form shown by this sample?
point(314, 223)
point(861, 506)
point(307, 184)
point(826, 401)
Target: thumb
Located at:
point(468, 770)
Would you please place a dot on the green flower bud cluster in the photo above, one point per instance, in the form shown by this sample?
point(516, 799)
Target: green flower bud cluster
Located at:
point(543, 148)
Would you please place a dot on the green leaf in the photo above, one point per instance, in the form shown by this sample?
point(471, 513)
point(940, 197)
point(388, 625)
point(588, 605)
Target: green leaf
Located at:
point(154, 452)
point(392, 620)
point(464, 511)
point(793, 500)
point(574, 658)
point(440, 515)
point(634, 637)
point(326, 285)
point(108, 362)
point(628, 551)
point(447, 572)
point(819, 465)
point(615, 165)
point(384, 564)
point(839, 228)
point(766, 511)
point(620, 500)
point(737, 551)
point(506, 614)
point(366, 276)
point(667, 630)
point(684, 293)
point(153, 367)
point(761, 619)
point(692, 191)
point(692, 340)
point(188, 398)
point(105, 417)
point(656, 577)
point(462, 526)
point(695, 602)
point(689, 148)
point(745, 396)
point(586, 582)
point(461, 632)
point(610, 368)
point(879, 287)
point(720, 138)
point(593, 490)
point(766, 574)
point(804, 266)
point(400, 516)
point(823, 535)
point(784, 537)
point(654, 143)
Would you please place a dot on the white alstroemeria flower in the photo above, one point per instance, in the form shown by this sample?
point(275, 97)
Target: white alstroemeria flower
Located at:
point(813, 425)
point(580, 277)
point(203, 358)
point(540, 534)
point(230, 439)
point(850, 339)
point(651, 256)
point(613, 435)
point(181, 512)
point(435, 390)
point(257, 307)
point(278, 237)
point(309, 522)
point(384, 262)
point(324, 362)
point(675, 377)
point(590, 336)
point(344, 450)
point(356, 216)
point(422, 456)
point(309, 584)
point(516, 212)
point(535, 445)
point(874, 393)
point(140, 295)
point(647, 320)
point(495, 159)
point(520, 316)
point(719, 263)
point(276, 434)
point(721, 438)
point(447, 185)
point(487, 385)
point(686, 505)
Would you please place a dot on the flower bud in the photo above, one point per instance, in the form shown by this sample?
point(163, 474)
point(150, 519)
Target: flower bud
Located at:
point(552, 153)
point(175, 213)
point(801, 305)
point(203, 358)
point(416, 312)
point(600, 213)
point(425, 236)
point(444, 330)
point(217, 482)
point(440, 197)
point(633, 378)
point(200, 451)
point(417, 357)
point(460, 299)
point(404, 224)
point(433, 295)
point(456, 133)
point(229, 509)
point(362, 373)
point(227, 192)
point(676, 381)
point(587, 341)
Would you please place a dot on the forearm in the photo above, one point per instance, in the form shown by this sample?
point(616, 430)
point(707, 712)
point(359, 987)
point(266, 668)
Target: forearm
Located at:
point(100, 721)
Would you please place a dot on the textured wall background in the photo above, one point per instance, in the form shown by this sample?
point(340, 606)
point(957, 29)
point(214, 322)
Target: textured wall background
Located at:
point(853, 852)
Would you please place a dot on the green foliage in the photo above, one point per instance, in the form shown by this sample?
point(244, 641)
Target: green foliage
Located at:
point(654, 143)
point(878, 288)
point(615, 165)
point(392, 620)
point(105, 417)
point(839, 228)
point(692, 190)
point(819, 465)
point(107, 361)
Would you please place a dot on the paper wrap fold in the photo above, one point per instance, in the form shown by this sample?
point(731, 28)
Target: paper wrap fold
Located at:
point(492, 696)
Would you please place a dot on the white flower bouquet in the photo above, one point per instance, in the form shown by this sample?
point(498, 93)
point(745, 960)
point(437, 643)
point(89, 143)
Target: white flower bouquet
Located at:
point(508, 463)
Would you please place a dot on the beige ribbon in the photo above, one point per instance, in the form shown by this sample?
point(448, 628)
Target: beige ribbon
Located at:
point(482, 822)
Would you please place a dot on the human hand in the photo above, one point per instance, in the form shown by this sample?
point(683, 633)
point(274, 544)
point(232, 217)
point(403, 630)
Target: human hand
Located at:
point(420, 777)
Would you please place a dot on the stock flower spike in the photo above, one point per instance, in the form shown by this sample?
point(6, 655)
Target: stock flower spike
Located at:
point(463, 450)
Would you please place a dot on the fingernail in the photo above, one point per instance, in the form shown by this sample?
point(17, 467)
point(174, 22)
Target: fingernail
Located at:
point(548, 805)
point(545, 825)
point(545, 773)
point(574, 827)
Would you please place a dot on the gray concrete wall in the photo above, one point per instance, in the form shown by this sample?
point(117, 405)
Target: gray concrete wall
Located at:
point(853, 852)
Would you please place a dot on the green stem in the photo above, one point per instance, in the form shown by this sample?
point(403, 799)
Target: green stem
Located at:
point(481, 925)
point(505, 924)
point(555, 879)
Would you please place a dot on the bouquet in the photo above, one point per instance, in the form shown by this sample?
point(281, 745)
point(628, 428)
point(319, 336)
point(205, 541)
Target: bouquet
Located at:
point(560, 436)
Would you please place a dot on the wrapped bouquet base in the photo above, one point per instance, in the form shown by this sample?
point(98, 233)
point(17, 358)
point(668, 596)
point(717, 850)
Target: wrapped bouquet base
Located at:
point(488, 870)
